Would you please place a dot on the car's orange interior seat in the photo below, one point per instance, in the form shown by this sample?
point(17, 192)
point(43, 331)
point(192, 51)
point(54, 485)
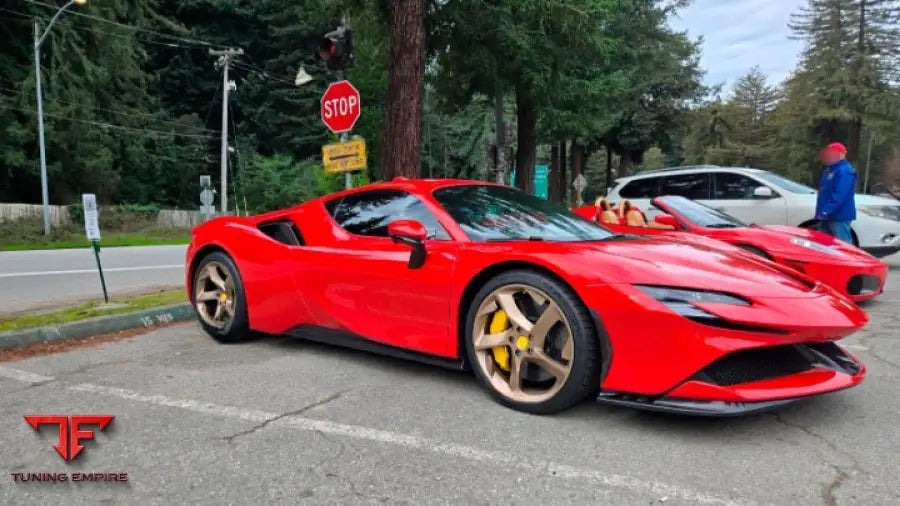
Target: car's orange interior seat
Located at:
point(605, 213)
point(632, 216)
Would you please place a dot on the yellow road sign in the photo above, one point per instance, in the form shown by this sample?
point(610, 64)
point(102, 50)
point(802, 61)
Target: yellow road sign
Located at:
point(344, 156)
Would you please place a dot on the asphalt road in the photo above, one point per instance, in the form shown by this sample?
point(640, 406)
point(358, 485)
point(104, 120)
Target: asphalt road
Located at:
point(282, 421)
point(30, 279)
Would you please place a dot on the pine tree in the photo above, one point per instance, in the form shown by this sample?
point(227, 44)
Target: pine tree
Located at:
point(849, 66)
point(753, 93)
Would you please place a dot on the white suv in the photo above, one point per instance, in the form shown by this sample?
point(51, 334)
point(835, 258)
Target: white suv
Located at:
point(761, 197)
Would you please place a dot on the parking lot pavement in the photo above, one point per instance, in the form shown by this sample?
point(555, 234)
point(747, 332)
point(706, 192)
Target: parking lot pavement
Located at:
point(281, 421)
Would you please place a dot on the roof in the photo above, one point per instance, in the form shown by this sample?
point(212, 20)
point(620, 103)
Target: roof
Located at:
point(686, 168)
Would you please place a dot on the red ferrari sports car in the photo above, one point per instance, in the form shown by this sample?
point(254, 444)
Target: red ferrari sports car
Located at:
point(549, 309)
point(844, 267)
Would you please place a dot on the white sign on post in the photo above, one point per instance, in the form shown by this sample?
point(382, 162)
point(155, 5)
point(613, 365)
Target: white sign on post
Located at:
point(580, 183)
point(91, 223)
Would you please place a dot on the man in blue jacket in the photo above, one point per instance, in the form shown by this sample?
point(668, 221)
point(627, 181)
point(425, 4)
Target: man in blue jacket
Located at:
point(836, 206)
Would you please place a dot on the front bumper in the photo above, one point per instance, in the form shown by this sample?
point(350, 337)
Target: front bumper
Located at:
point(877, 236)
point(858, 281)
point(757, 379)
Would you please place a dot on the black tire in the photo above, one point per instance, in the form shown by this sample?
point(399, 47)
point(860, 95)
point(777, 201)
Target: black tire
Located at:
point(237, 329)
point(583, 382)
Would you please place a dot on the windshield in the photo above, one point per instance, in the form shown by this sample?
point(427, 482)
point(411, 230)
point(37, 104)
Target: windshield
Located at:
point(698, 214)
point(783, 182)
point(500, 213)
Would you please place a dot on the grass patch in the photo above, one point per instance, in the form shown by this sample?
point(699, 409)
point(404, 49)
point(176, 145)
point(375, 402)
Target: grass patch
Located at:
point(91, 309)
point(28, 234)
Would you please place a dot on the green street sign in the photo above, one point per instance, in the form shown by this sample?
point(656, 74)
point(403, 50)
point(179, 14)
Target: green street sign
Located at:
point(541, 181)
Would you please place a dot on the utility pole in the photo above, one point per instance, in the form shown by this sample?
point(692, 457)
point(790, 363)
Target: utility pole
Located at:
point(225, 57)
point(45, 194)
point(38, 40)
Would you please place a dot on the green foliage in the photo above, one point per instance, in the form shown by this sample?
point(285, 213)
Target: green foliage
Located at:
point(279, 181)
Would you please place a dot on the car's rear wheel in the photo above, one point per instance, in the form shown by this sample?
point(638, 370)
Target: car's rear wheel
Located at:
point(532, 343)
point(218, 297)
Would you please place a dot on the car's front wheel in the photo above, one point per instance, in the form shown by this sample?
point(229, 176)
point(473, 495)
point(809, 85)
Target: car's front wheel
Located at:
point(218, 298)
point(532, 343)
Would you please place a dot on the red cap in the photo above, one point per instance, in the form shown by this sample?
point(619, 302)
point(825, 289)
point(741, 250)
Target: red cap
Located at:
point(838, 147)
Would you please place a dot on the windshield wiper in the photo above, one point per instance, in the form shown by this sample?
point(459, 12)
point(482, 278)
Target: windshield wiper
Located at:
point(722, 225)
point(535, 238)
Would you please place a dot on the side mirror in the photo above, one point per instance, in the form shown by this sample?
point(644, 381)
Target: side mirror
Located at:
point(666, 219)
point(413, 234)
point(763, 192)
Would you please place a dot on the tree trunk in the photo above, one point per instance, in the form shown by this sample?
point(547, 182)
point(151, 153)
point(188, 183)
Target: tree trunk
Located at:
point(500, 159)
point(563, 179)
point(625, 164)
point(554, 174)
point(608, 171)
point(854, 141)
point(401, 148)
point(526, 150)
point(577, 158)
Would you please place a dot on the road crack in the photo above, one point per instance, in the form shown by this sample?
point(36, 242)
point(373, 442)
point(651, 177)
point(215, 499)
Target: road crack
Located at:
point(828, 490)
point(843, 474)
point(333, 397)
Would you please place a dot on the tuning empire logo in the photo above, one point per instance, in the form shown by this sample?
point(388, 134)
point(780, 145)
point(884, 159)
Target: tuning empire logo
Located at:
point(71, 434)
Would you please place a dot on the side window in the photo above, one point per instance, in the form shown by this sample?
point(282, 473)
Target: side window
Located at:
point(731, 186)
point(645, 188)
point(690, 186)
point(369, 213)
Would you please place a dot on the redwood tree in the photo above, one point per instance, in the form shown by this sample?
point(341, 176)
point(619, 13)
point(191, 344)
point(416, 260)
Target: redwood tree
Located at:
point(401, 148)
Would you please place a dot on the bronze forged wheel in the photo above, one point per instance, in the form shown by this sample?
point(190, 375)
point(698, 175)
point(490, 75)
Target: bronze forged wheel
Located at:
point(214, 295)
point(218, 297)
point(532, 343)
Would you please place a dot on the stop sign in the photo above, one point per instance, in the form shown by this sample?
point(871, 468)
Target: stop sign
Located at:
point(340, 106)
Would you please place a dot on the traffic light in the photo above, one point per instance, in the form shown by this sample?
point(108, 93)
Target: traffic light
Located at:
point(336, 48)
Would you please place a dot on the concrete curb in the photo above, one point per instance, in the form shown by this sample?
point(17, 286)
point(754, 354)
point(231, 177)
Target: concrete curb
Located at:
point(99, 325)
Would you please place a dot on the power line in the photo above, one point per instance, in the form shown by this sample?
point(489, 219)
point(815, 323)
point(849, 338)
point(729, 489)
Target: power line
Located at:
point(110, 125)
point(124, 113)
point(129, 27)
point(252, 68)
point(24, 17)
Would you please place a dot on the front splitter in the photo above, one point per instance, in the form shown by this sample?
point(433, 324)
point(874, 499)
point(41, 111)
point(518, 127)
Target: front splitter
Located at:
point(689, 407)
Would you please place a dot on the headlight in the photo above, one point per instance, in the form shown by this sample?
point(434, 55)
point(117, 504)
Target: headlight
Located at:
point(886, 212)
point(806, 243)
point(682, 300)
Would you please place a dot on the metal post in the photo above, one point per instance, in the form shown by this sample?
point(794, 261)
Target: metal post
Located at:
point(38, 40)
point(224, 175)
point(225, 60)
point(345, 136)
point(100, 268)
point(45, 194)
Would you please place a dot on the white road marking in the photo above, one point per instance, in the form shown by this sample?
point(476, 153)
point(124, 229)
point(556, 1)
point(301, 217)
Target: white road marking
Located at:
point(90, 271)
point(23, 376)
point(541, 467)
point(419, 443)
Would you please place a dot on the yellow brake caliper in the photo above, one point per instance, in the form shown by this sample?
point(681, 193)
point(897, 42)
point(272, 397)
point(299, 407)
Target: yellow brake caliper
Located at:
point(499, 323)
